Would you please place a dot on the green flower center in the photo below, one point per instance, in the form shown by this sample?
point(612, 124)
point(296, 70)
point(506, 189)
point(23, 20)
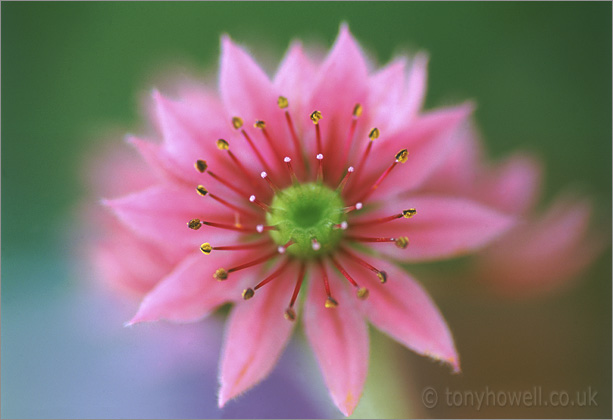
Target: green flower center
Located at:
point(307, 216)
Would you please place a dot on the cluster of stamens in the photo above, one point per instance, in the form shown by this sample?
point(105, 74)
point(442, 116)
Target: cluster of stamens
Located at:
point(305, 221)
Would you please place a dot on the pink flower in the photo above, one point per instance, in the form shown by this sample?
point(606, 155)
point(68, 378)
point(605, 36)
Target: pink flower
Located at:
point(306, 181)
point(546, 250)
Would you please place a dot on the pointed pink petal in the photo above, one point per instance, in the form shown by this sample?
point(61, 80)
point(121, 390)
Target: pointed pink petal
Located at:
point(429, 139)
point(248, 93)
point(403, 309)
point(190, 292)
point(257, 334)
point(339, 338)
point(385, 93)
point(161, 214)
point(457, 174)
point(342, 83)
point(513, 185)
point(159, 160)
point(543, 254)
point(294, 77)
point(442, 228)
point(416, 86)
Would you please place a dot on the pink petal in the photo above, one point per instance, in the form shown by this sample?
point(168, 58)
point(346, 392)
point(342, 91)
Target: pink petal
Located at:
point(543, 254)
point(443, 227)
point(190, 292)
point(248, 93)
point(513, 185)
point(403, 309)
point(339, 338)
point(161, 214)
point(416, 86)
point(428, 139)
point(294, 77)
point(457, 174)
point(341, 84)
point(257, 334)
point(385, 93)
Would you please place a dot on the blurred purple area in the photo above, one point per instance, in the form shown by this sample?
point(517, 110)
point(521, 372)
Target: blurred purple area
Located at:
point(67, 354)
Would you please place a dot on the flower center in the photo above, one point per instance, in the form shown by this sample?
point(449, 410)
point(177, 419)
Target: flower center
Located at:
point(306, 216)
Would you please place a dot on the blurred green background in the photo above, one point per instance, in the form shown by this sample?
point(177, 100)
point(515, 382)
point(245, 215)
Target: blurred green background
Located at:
point(540, 73)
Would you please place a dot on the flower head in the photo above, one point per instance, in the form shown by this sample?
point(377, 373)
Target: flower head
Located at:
point(303, 188)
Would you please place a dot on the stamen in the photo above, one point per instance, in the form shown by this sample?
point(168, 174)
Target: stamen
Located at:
point(290, 314)
point(194, 224)
point(402, 242)
point(201, 190)
point(315, 245)
point(315, 117)
point(330, 301)
point(237, 122)
point(224, 145)
point(356, 206)
point(382, 275)
point(206, 248)
point(357, 111)
point(341, 185)
point(259, 228)
point(228, 184)
point(369, 239)
point(342, 226)
point(259, 203)
point(220, 274)
point(262, 126)
point(235, 247)
point(271, 184)
point(230, 205)
point(282, 248)
point(252, 263)
point(408, 213)
point(274, 275)
point(200, 165)
point(362, 292)
point(372, 135)
point(320, 167)
point(401, 157)
point(382, 219)
point(283, 104)
point(292, 174)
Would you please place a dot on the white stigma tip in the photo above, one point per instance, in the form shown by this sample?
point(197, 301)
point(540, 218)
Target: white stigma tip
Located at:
point(316, 246)
point(344, 225)
point(259, 228)
point(350, 169)
point(252, 198)
point(287, 159)
point(358, 206)
point(281, 249)
point(319, 156)
point(263, 174)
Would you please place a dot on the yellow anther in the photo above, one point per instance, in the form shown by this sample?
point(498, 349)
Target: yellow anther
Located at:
point(200, 165)
point(282, 102)
point(402, 156)
point(194, 224)
point(259, 124)
point(206, 248)
point(402, 242)
point(221, 274)
point(331, 302)
point(201, 190)
point(357, 110)
point(290, 314)
point(382, 276)
point(374, 134)
point(408, 213)
point(248, 293)
point(222, 144)
point(316, 116)
point(237, 122)
point(363, 293)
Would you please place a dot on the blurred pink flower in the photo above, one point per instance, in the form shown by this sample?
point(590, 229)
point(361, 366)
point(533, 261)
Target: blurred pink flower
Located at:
point(545, 251)
point(317, 190)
